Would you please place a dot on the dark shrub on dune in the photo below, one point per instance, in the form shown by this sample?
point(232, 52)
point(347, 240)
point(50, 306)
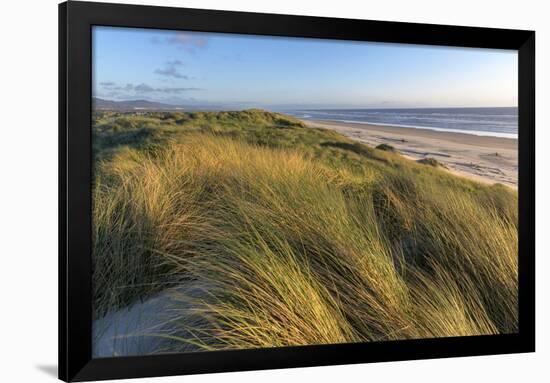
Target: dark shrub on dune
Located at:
point(386, 147)
point(431, 162)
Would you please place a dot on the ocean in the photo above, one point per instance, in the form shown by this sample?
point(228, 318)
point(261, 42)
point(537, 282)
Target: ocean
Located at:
point(496, 122)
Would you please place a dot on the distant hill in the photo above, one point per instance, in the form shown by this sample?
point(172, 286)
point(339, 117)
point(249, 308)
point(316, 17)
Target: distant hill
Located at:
point(102, 104)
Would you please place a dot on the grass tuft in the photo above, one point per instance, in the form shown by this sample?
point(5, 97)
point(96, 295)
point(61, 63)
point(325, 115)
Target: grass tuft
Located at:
point(385, 147)
point(430, 162)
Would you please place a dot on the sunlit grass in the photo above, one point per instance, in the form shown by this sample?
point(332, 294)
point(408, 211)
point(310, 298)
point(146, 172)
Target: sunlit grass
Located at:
point(292, 244)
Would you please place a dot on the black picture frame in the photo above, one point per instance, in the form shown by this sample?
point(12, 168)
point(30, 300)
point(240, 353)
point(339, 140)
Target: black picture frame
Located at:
point(75, 298)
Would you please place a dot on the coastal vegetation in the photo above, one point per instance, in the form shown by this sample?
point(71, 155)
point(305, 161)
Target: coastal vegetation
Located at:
point(430, 161)
point(386, 147)
point(278, 234)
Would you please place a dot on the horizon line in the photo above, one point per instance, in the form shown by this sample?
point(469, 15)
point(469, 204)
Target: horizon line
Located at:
point(304, 107)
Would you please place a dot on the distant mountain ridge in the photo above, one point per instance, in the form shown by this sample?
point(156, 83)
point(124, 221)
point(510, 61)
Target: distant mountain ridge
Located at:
point(102, 104)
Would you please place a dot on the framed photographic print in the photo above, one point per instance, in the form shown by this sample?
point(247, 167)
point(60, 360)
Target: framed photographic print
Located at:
point(248, 191)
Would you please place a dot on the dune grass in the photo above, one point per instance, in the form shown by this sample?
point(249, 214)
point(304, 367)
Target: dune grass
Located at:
point(430, 161)
point(286, 235)
point(385, 147)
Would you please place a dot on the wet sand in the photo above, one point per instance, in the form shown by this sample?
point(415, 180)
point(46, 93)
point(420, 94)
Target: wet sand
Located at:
point(481, 158)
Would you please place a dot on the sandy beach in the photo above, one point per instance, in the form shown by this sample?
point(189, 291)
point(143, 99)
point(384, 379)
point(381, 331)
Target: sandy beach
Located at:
point(481, 158)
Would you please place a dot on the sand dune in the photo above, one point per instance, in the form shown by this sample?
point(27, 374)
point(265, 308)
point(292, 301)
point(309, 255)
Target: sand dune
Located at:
point(484, 159)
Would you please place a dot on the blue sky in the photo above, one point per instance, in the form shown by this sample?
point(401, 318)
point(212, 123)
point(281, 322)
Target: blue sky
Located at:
point(242, 71)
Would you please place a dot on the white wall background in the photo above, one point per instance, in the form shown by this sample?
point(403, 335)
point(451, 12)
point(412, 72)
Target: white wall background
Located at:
point(28, 189)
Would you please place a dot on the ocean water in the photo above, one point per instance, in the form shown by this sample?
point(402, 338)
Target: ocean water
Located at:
point(496, 122)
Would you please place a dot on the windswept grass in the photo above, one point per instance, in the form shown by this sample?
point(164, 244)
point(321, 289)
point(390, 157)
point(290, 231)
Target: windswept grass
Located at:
point(285, 235)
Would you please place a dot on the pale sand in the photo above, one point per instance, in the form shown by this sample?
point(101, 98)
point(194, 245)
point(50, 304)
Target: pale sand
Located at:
point(484, 159)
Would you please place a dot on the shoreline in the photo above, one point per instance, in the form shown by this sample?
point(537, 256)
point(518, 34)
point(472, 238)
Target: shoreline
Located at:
point(485, 159)
point(478, 133)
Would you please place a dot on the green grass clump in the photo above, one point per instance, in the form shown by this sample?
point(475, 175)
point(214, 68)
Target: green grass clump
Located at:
point(385, 147)
point(285, 235)
point(430, 161)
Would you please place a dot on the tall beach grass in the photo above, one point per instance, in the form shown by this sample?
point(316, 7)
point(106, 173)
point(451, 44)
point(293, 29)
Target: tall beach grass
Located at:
point(275, 243)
